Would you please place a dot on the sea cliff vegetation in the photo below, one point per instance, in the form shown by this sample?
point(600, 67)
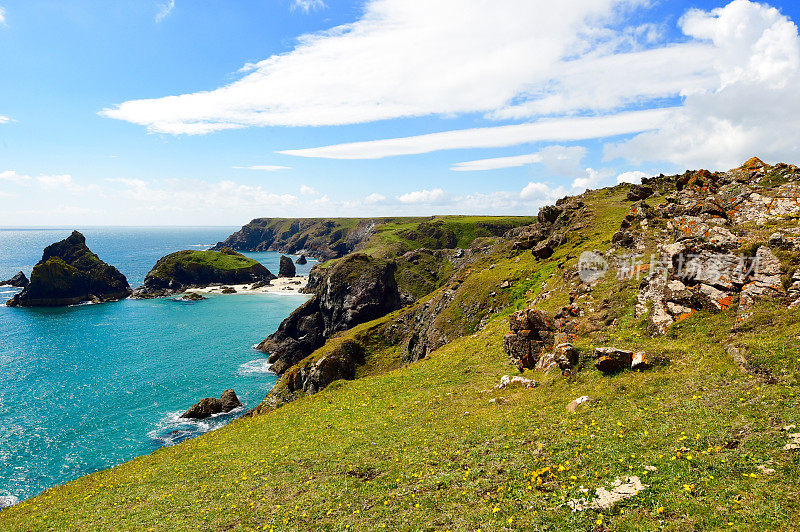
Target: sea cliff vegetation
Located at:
point(401, 422)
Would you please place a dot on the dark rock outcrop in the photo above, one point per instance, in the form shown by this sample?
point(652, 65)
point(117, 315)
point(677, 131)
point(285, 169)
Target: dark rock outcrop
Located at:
point(177, 272)
point(192, 296)
point(18, 281)
point(302, 260)
point(211, 406)
point(317, 237)
point(353, 290)
point(70, 273)
point(286, 267)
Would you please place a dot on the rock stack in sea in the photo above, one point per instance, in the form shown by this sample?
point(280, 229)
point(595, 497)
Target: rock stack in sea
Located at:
point(286, 268)
point(69, 273)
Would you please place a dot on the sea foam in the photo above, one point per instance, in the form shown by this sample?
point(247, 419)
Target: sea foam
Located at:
point(258, 366)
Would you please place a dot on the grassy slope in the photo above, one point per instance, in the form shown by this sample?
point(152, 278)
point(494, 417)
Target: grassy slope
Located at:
point(422, 447)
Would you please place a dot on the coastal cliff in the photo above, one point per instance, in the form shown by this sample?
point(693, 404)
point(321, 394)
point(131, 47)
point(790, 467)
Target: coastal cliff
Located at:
point(69, 273)
point(323, 238)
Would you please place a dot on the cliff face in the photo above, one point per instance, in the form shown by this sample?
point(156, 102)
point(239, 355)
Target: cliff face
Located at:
point(351, 291)
point(317, 237)
point(70, 273)
point(178, 271)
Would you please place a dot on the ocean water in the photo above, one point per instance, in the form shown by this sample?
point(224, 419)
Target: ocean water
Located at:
point(86, 387)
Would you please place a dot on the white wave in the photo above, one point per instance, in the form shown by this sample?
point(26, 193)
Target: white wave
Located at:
point(173, 429)
point(7, 500)
point(201, 246)
point(258, 366)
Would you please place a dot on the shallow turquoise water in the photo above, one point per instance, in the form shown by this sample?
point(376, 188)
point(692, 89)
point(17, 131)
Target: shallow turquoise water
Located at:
point(86, 387)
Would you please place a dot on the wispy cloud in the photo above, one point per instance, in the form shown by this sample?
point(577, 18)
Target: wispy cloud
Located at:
point(263, 167)
point(553, 130)
point(308, 5)
point(306, 190)
point(478, 61)
point(5, 119)
point(164, 10)
point(560, 160)
point(2, 15)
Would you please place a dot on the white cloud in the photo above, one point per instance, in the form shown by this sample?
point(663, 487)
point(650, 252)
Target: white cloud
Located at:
point(554, 130)
point(264, 167)
point(753, 107)
point(374, 198)
point(2, 15)
point(559, 160)
point(306, 190)
point(635, 176)
point(45, 182)
point(436, 195)
point(14, 177)
point(308, 5)
point(475, 60)
point(164, 10)
point(5, 119)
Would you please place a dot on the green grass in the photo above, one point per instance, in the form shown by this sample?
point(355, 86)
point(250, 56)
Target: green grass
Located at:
point(434, 446)
point(422, 447)
point(219, 260)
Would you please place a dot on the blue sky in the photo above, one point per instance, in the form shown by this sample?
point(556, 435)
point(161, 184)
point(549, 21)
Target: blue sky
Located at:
point(157, 112)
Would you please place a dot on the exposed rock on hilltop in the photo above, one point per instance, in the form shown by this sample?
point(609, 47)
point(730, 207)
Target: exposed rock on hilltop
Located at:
point(286, 268)
point(353, 290)
point(70, 273)
point(18, 281)
point(179, 271)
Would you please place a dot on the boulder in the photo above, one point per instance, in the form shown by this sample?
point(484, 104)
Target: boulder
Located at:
point(301, 260)
point(286, 268)
point(260, 284)
point(228, 290)
point(210, 406)
point(573, 405)
point(566, 356)
point(192, 296)
point(531, 335)
point(507, 380)
point(70, 273)
point(611, 359)
point(542, 251)
point(18, 281)
point(639, 192)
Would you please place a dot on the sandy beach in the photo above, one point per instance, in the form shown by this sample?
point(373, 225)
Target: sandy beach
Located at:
point(281, 285)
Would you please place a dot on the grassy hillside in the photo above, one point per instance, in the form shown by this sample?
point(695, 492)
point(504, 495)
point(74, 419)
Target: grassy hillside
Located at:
point(434, 445)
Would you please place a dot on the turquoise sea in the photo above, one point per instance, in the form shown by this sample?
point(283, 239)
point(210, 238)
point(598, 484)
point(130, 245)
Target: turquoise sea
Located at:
point(86, 387)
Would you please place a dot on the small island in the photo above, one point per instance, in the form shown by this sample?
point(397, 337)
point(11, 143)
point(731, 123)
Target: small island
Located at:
point(68, 274)
point(183, 270)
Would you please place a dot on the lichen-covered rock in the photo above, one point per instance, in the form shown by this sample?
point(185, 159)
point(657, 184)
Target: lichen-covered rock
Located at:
point(639, 192)
point(70, 273)
point(20, 280)
point(286, 267)
point(211, 406)
point(531, 334)
point(612, 359)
